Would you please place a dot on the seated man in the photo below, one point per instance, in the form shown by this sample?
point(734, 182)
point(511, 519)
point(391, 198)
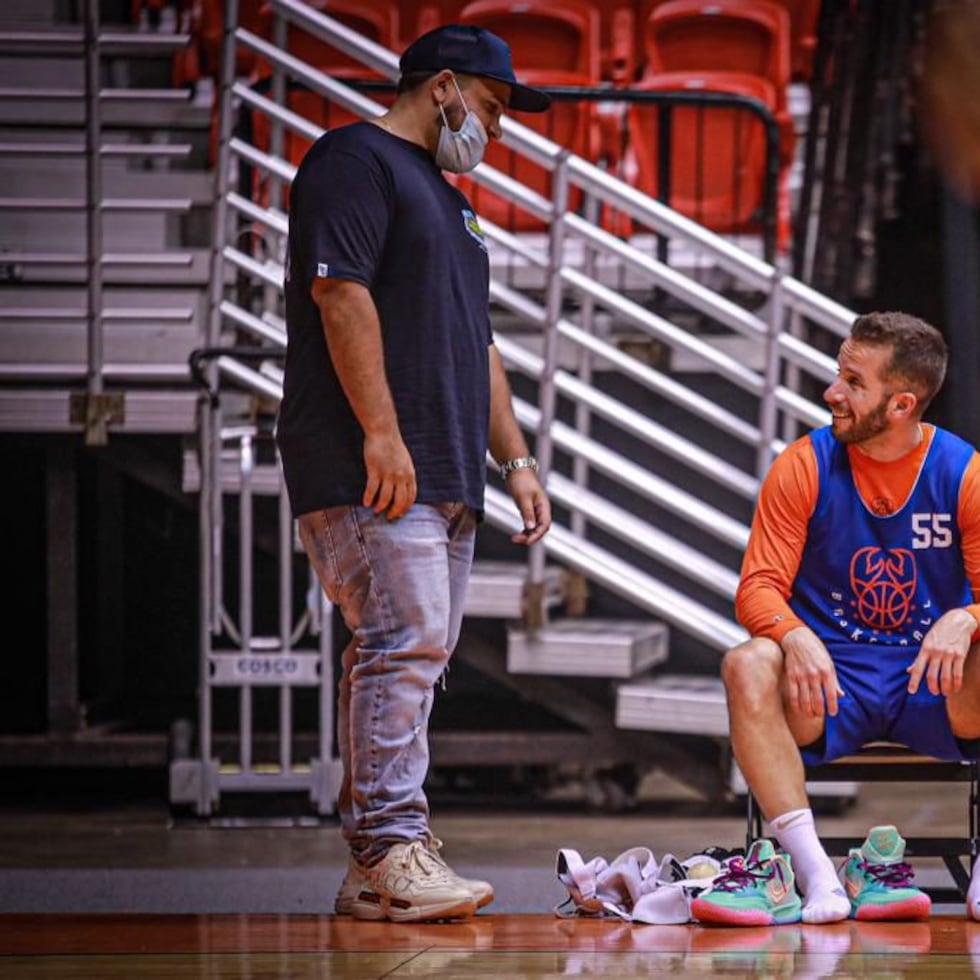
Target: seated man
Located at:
point(859, 589)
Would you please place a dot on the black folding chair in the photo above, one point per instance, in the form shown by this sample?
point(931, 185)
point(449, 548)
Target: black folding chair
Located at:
point(886, 762)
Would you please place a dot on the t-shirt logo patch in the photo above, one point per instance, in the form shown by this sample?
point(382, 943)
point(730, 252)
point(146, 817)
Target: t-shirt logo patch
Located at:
point(322, 269)
point(472, 226)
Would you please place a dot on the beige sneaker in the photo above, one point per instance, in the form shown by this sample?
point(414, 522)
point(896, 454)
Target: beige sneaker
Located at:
point(354, 883)
point(350, 890)
point(409, 885)
point(482, 891)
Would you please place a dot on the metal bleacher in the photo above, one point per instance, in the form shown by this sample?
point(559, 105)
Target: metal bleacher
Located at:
point(654, 374)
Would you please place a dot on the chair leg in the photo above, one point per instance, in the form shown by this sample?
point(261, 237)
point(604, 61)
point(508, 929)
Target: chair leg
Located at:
point(960, 875)
point(753, 822)
point(974, 812)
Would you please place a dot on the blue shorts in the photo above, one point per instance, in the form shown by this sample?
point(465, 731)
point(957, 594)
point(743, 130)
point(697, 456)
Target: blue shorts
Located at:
point(878, 707)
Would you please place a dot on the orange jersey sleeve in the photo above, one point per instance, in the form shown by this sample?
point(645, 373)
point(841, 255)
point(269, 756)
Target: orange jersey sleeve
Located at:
point(968, 518)
point(786, 502)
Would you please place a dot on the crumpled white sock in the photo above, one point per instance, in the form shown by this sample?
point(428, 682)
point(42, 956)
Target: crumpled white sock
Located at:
point(973, 895)
point(825, 901)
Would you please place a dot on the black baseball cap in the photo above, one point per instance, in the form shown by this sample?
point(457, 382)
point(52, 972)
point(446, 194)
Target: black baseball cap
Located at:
point(471, 50)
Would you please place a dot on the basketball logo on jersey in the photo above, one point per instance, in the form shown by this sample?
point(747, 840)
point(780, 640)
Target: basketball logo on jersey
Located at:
point(883, 581)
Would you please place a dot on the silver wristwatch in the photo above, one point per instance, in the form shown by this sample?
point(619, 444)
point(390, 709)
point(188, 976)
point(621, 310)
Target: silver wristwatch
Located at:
point(520, 463)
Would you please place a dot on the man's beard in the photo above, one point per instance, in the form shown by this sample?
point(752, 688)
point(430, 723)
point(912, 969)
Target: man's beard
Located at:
point(873, 424)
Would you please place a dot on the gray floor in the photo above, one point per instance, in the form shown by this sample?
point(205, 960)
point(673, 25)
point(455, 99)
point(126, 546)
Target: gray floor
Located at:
point(123, 852)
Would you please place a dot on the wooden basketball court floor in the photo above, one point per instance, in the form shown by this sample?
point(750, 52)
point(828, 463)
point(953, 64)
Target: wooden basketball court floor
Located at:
point(105, 886)
point(134, 947)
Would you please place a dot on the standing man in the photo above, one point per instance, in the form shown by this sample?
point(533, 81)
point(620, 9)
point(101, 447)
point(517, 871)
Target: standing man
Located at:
point(393, 393)
point(860, 588)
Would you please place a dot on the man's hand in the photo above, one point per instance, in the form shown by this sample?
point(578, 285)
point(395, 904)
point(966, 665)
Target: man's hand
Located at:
point(390, 486)
point(533, 504)
point(811, 679)
point(943, 654)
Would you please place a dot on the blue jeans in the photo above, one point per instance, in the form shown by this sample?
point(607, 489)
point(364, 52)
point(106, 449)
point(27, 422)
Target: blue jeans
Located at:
point(400, 586)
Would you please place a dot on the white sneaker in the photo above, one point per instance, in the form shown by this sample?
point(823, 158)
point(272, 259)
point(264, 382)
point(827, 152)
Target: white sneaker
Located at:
point(409, 885)
point(350, 890)
point(354, 884)
point(482, 891)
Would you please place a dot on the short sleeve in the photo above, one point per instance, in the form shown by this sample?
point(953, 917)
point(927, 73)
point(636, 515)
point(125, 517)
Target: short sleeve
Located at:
point(339, 212)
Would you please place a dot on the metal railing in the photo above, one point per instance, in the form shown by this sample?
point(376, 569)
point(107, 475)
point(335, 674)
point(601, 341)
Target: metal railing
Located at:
point(593, 331)
point(674, 497)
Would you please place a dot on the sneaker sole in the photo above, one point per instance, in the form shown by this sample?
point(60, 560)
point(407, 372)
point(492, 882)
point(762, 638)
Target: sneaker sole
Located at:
point(910, 908)
point(367, 909)
point(370, 910)
point(484, 900)
point(384, 909)
point(709, 912)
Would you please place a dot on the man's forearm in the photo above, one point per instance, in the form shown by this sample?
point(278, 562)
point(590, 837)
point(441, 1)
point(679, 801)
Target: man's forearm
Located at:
point(353, 334)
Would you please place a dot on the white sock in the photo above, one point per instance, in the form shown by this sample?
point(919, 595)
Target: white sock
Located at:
point(973, 894)
point(823, 896)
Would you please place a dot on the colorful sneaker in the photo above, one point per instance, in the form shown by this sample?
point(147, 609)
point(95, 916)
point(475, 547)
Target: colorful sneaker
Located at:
point(409, 885)
point(879, 882)
point(757, 890)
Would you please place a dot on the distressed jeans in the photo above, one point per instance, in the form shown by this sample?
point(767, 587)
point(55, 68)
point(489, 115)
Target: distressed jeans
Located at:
point(400, 586)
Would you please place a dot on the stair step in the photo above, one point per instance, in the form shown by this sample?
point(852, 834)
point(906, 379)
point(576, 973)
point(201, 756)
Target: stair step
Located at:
point(496, 589)
point(588, 648)
point(184, 267)
point(674, 703)
point(839, 789)
point(50, 410)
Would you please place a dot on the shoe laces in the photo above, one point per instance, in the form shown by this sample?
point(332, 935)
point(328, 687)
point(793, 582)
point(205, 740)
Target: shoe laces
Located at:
point(898, 875)
point(738, 875)
point(432, 847)
point(417, 856)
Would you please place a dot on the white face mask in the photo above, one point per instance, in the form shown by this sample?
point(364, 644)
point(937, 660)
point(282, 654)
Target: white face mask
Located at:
point(461, 150)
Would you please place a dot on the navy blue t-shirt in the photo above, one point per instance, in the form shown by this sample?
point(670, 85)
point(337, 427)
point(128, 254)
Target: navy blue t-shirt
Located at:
point(370, 207)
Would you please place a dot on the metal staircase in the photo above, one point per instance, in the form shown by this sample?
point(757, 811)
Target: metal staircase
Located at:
point(90, 202)
point(654, 392)
point(652, 513)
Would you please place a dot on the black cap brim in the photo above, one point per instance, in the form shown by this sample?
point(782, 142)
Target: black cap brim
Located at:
point(523, 98)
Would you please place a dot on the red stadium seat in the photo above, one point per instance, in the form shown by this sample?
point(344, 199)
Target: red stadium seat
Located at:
point(553, 42)
point(746, 36)
point(803, 15)
point(750, 36)
point(718, 153)
point(419, 18)
point(544, 35)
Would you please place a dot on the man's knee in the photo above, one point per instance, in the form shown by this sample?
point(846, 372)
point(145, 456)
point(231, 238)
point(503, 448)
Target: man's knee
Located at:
point(751, 671)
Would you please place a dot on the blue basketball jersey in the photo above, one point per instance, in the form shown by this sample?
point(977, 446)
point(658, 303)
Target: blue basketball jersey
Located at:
point(867, 580)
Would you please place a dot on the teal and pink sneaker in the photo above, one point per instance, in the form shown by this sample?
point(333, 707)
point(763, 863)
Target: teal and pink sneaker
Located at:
point(879, 881)
point(757, 890)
